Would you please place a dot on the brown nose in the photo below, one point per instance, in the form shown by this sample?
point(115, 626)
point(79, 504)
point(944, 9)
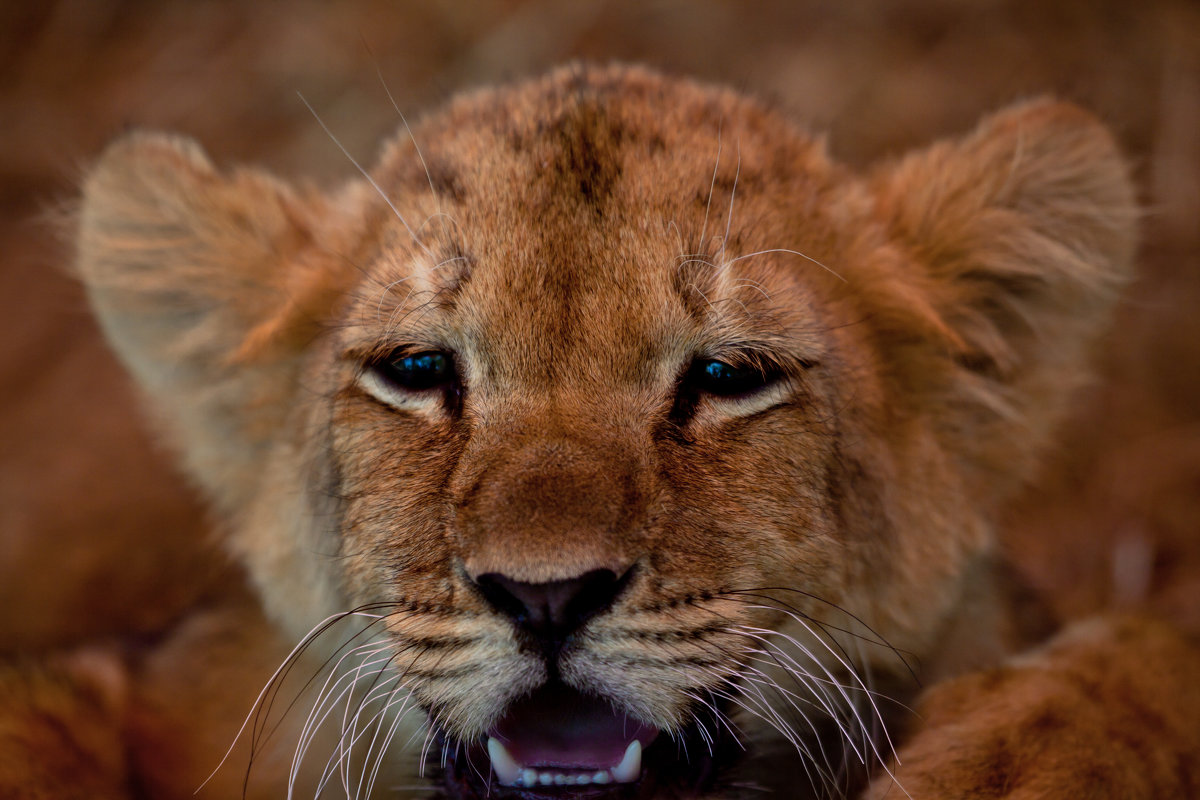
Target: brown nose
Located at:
point(552, 611)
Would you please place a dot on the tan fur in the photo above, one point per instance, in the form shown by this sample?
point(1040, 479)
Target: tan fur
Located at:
point(576, 241)
point(62, 729)
point(1107, 710)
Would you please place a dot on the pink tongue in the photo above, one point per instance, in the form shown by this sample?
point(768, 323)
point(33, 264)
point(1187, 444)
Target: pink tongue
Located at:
point(559, 727)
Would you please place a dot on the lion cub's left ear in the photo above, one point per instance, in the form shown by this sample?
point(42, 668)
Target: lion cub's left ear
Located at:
point(1018, 238)
point(208, 285)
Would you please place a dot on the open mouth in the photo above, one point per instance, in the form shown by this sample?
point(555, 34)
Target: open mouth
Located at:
point(560, 743)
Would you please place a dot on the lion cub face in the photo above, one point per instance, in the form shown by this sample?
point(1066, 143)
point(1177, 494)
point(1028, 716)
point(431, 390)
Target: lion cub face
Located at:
point(638, 426)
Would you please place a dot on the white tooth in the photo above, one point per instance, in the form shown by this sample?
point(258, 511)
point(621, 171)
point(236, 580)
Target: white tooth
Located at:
point(602, 777)
point(545, 778)
point(560, 780)
point(630, 768)
point(507, 770)
point(528, 777)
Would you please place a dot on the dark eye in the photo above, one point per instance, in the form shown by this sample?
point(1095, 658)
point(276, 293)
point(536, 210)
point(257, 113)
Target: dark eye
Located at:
point(726, 380)
point(418, 372)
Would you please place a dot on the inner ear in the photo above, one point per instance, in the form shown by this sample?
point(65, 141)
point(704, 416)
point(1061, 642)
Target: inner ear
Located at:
point(159, 222)
point(1022, 231)
point(1014, 240)
point(210, 286)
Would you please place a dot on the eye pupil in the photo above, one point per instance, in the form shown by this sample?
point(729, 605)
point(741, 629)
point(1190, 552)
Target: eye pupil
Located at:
point(419, 371)
point(428, 363)
point(722, 379)
point(719, 371)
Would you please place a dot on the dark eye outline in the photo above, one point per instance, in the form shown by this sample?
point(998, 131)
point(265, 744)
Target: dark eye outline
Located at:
point(719, 378)
point(417, 372)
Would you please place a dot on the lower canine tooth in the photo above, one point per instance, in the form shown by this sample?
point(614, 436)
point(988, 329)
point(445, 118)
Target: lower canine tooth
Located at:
point(630, 768)
point(503, 764)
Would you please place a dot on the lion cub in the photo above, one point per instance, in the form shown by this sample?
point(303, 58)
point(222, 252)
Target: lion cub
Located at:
point(609, 440)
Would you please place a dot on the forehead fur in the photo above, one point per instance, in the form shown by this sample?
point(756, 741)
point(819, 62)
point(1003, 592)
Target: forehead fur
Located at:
point(587, 139)
point(664, 208)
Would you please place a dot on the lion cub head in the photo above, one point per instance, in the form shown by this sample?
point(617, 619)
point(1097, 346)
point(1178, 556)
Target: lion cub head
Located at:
point(639, 431)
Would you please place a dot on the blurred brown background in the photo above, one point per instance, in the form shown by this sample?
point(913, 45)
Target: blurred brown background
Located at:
point(95, 527)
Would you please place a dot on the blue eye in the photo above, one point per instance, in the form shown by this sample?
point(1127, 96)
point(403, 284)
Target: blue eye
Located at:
point(418, 372)
point(726, 380)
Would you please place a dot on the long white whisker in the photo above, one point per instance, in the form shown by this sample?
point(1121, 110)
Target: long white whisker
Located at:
point(851, 706)
point(733, 678)
point(327, 699)
point(748, 687)
point(673, 226)
point(406, 707)
point(420, 156)
point(351, 727)
point(338, 760)
point(753, 285)
point(792, 700)
point(737, 174)
point(695, 259)
point(385, 291)
point(854, 673)
point(366, 175)
point(805, 679)
point(821, 688)
point(785, 250)
point(721, 718)
point(763, 710)
point(711, 188)
point(817, 680)
point(874, 638)
point(372, 723)
point(425, 745)
point(272, 682)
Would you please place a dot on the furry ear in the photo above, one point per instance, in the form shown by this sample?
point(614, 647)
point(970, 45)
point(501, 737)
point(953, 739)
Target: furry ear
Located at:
point(1017, 238)
point(207, 286)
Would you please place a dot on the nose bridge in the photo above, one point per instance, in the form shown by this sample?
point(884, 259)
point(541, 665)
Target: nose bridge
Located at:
point(553, 502)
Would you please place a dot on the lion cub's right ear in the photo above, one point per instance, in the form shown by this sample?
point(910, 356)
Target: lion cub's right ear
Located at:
point(208, 286)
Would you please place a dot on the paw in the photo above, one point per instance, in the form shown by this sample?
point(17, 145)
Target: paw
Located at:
point(1108, 709)
point(61, 723)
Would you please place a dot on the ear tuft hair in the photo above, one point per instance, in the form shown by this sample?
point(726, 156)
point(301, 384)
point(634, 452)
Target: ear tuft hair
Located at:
point(1017, 238)
point(206, 284)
